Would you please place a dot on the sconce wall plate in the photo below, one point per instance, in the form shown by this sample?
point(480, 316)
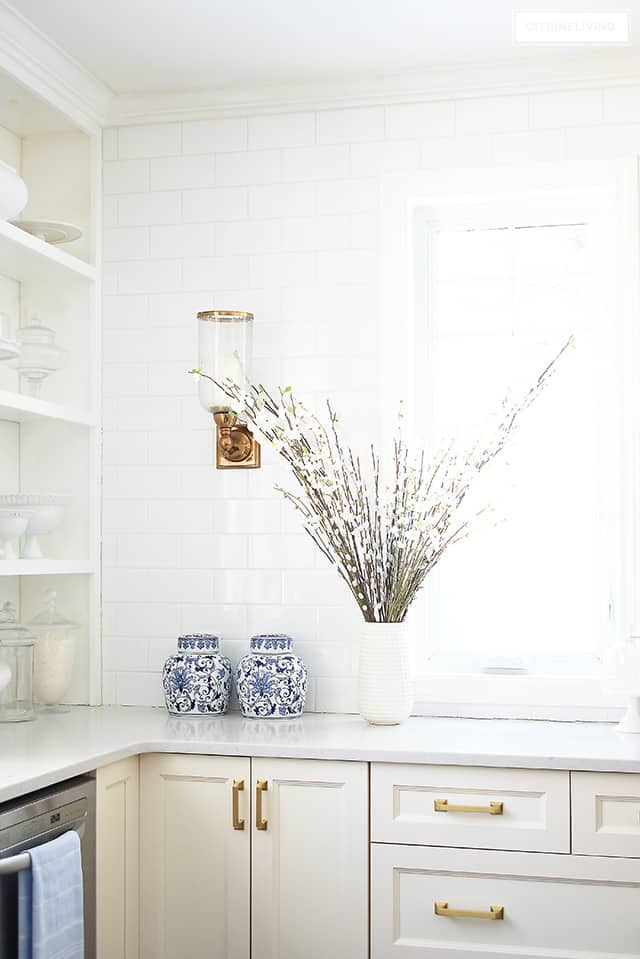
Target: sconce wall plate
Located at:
point(236, 446)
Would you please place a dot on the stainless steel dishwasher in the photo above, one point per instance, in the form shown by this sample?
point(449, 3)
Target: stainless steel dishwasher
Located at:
point(35, 819)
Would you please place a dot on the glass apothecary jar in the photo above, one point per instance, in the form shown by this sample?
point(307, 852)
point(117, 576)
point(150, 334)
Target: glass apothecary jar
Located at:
point(16, 668)
point(54, 654)
point(39, 355)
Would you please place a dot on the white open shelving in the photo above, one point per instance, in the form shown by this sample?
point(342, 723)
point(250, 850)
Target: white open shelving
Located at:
point(46, 567)
point(18, 408)
point(51, 444)
point(28, 259)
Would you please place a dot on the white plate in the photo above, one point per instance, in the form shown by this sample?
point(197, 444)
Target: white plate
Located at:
point(9, 349)
point(51, 231)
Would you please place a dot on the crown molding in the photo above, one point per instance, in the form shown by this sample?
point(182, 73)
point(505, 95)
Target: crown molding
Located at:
point(530, 75)
point(31, 58)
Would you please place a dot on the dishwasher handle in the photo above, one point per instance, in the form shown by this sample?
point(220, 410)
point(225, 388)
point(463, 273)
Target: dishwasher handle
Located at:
point(14, 864)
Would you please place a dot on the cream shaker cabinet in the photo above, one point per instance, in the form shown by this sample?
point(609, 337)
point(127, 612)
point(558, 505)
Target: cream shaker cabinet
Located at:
point(117, 851)
point(310, 842)
point(265, 858)
point(195, 857)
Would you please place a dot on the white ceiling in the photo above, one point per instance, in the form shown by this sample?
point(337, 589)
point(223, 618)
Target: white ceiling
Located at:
point(158, 46)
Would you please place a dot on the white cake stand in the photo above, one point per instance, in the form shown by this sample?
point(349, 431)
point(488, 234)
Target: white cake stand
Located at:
point(630, 722)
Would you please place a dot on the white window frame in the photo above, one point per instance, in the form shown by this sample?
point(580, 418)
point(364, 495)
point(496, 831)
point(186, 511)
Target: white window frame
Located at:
point(404, 203)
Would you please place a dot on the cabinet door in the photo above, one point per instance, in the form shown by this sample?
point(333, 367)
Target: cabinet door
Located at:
point(194, 858)
point(117, 799)
point(310, 886)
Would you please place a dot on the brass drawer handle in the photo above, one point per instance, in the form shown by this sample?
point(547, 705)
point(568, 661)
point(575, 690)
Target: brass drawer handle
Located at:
point(238, 787)
point(493, 809)
point(442, 909)
point(261, 786)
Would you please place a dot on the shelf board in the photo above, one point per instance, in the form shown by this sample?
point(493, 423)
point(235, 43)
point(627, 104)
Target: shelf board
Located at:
point(46, 567)
point(18, 408)
point(26, 258)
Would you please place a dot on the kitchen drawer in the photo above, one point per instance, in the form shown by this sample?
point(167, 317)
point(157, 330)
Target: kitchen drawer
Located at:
point(553, 907)
point(606, 814)
point(530, 808)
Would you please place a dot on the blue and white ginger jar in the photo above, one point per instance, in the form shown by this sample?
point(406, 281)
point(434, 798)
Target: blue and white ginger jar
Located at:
point(197, 679)
point(271, 680)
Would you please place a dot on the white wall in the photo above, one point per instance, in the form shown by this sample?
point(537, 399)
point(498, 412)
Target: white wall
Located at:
point(277, 215)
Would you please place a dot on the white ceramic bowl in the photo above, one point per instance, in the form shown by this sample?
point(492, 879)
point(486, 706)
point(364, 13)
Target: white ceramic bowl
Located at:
point(45, 513)
point(13, 192)
point(13, 523)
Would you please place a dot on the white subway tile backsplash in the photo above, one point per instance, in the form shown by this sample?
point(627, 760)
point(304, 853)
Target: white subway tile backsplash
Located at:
point(148, 209)
point(389, 156)
point(182, 239)
point(126, 243)
point(184, 447)
point(281, 269)
point(315, 163)
point(215, 551)
point(146, 619)
point(243, 169)
point(216, 273)
point(417, 121)
point(126, 176)
point(572, 108)
point(351, 125)
point(316, 233)
point(463, 151)
point(348, 196)
point(241, 586)
point(150, 276)
point(124, 448)
point(248, 236)
point(543, 146)
point(492, 114)
point(282, 199)
point(149, 140)
point(278, 215)
point(182, 172)
point(347, 266)
point(228, 622)
point(125, 311)
point(219, 203)
point(211, 136)
point(284, 130)
point(621, 104)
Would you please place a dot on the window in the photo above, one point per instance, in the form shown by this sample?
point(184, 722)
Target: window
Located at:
point(522, 615)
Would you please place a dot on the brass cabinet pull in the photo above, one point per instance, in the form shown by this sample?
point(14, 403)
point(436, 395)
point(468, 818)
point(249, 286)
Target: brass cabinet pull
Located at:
point(442, 909)
point(493, 809)
point(238, 787)
point(261, 786)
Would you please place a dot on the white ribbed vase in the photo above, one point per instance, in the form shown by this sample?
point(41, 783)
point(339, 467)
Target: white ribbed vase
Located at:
point(385, 677)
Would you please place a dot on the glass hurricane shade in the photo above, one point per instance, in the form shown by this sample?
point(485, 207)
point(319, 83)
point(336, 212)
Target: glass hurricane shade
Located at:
point(225, 347)
point(39, 356)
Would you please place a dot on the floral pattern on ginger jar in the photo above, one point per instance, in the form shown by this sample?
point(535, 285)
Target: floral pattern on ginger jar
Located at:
point(197, 679)
point(271, 680)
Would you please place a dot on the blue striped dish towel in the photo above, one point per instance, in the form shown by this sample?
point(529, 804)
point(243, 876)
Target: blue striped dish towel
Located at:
point(50, 916)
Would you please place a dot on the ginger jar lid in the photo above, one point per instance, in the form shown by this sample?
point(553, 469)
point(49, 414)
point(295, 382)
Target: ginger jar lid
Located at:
point(271, 643)
point(199, 643)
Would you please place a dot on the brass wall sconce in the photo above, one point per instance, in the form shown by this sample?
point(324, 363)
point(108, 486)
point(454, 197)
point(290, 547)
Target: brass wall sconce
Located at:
point(236, 445)
point(225, 340)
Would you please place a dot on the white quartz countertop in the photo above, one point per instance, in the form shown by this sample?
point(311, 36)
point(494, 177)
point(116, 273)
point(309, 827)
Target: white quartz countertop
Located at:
point(59, 746)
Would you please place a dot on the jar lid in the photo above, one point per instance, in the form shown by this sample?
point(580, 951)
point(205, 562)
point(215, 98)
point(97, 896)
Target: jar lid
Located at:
point(11, 632)
point(203, 642)
point(49, 616)
point(271, 643)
